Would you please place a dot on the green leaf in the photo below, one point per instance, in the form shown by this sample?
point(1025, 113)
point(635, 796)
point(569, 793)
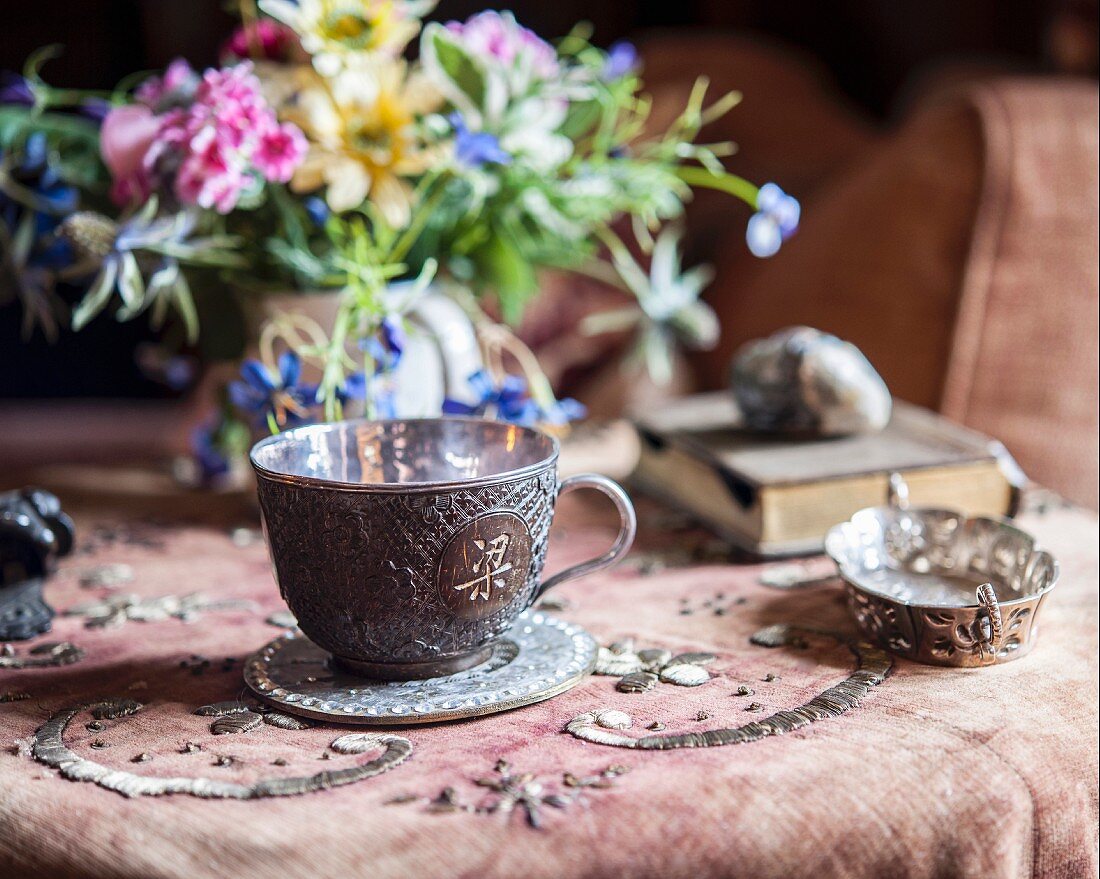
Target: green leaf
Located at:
point(131, 286)
point(580, 119)
point(509, 273)
point(97, 297)
point(185, 305)
point(456, 64)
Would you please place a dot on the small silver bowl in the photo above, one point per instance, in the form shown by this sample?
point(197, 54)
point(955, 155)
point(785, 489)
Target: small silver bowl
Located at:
point(939, 587)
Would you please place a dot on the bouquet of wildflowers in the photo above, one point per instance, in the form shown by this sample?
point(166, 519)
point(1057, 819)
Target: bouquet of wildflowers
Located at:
point(317, 157)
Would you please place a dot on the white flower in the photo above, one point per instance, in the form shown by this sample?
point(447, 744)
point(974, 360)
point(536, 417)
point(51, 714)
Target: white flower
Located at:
point(332, 31)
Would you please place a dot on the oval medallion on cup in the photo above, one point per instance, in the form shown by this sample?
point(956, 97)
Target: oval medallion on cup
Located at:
point(485, 565)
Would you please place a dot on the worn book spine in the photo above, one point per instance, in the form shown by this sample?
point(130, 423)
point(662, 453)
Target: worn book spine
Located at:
point(792, 518)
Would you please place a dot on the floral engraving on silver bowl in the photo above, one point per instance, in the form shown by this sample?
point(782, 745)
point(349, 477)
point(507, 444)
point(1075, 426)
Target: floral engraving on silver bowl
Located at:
point(940, 587)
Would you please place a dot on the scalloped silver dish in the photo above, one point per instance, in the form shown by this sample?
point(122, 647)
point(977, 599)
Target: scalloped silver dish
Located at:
point(537, 658)
point(940, 587)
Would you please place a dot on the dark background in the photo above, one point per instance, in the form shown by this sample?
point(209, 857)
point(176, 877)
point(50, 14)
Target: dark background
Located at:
point(872, 49)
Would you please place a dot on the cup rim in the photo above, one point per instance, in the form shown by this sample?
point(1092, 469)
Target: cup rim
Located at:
point(399, 487)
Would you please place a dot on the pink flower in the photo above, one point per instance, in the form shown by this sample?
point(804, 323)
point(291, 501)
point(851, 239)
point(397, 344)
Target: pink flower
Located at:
point(178, 82)
point(233, 98)
point(210, 175)
point(265, 39)
point(280, 150)
point(125, 137)
point(205, 150)
point(498, 36)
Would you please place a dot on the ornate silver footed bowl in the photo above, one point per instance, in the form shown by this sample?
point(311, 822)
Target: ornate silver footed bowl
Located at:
point(939, 587)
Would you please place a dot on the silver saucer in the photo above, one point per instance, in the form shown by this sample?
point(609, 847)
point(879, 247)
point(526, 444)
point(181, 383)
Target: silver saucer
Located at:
point(538, 657)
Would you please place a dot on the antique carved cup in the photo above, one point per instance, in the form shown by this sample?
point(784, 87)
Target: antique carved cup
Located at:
point(407, 547)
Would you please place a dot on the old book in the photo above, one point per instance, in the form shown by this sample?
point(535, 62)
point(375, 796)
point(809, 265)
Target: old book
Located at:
point(779, 496)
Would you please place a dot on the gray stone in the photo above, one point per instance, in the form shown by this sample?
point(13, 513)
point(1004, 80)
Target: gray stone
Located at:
point(801, 380)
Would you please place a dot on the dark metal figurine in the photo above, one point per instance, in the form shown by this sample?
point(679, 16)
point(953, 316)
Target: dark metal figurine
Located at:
point(34, 532)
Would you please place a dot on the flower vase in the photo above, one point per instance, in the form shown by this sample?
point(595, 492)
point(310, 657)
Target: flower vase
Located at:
point(441, 348)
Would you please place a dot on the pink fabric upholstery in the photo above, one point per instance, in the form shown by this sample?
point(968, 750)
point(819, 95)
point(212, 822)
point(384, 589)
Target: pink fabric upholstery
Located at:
point(1025, 360)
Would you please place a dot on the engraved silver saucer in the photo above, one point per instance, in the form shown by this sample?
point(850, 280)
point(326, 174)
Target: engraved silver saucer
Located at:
point(538, 657)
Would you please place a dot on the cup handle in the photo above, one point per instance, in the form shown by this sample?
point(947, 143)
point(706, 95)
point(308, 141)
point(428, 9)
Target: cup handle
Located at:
point(628, 526)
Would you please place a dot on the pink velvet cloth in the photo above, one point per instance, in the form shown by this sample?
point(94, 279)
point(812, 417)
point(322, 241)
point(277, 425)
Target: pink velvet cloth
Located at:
point(985, 773)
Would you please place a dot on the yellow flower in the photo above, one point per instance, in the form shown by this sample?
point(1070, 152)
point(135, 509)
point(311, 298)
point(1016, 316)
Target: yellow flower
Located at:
point(333, 30)
point(361, 125)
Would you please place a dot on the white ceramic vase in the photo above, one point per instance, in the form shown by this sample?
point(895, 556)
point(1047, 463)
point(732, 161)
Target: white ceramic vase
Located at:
point(440, 355)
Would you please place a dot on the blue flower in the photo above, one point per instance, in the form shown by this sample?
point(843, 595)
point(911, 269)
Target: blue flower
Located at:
point(318, 210)
point(14, 89)
point(476, 148)
point(775, 220)
point(213, 462)
point(33, 200)
point(563, 411)
point(156, 362)
point(393, 337)
point(386, 347)
point(622, 59)
point(278, 398)
point(51, 197)
point(510, 402)
point(353, 388)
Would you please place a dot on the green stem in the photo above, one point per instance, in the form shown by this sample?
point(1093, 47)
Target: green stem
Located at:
point(408, 237)
point(602, 272)
point(730, 184)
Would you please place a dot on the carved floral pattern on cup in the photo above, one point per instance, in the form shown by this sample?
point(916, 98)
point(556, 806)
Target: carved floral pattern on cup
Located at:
point(430, 507)
point(378, 591)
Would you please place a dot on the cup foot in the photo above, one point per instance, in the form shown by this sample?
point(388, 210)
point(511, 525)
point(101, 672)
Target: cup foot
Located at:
point(412, 671)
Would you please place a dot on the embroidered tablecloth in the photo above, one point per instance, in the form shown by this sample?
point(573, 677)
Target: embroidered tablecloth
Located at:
point(938, 772)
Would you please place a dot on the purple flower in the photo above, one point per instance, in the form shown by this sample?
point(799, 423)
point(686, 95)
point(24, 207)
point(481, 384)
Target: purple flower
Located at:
point(279, 397)
point(775, 220)
point(622, 58)
point(497, 37)
point(14, 89)
point(95, 109)
point(476, 148)
point(510, 402)
point(176, 88)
